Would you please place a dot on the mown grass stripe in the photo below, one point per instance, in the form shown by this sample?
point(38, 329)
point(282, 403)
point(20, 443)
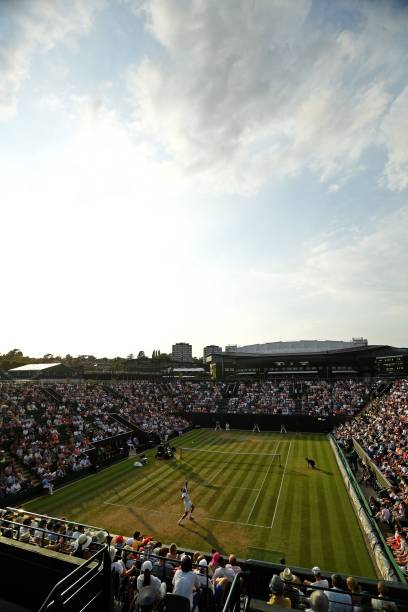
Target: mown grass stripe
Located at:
point(313, 505)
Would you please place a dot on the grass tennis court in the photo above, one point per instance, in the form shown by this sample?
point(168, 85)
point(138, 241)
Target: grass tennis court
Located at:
point(246, 504)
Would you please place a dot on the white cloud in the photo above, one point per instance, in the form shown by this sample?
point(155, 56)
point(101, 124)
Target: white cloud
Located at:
point(334, 188)
point(247, 91)
point(395, 138)
point(366, 268)
point(36, 27)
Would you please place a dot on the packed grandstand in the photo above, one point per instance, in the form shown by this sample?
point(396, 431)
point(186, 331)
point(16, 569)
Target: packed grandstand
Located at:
point(52, 431)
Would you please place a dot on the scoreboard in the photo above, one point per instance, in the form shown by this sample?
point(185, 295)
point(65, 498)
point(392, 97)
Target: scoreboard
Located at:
point(393, 365)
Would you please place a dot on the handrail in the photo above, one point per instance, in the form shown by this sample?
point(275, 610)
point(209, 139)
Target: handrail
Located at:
point(54, 518)
point(52, 596)
point(365, 457)
point(230, 601)
point(18, 526)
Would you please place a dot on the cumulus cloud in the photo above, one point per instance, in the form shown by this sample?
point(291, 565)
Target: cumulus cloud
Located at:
point(395, 138)
point(249, 90)
point(31, 28)
point(367, 266)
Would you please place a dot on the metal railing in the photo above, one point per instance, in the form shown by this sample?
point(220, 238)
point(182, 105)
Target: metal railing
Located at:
point(55, 518)
point(86, 587)
point(239, 597)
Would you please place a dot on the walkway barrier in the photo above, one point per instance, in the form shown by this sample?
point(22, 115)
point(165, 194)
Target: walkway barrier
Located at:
point(379, 551)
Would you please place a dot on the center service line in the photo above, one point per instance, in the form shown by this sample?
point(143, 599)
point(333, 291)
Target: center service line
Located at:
point(280, 488)
point(263, 482)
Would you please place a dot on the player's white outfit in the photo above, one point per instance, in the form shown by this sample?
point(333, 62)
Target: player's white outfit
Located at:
point(283, 429)
point(256, 428)
point(226, 426)
point(186, 501)
point(188, 505)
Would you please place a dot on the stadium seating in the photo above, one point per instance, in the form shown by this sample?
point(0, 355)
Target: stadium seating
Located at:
point(382, 431)
point(91, 578)
point(48, 431)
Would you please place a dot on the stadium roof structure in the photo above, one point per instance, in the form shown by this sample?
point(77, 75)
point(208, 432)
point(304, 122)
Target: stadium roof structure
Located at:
point(357, 361)
point(353, 350)
point(31, 367)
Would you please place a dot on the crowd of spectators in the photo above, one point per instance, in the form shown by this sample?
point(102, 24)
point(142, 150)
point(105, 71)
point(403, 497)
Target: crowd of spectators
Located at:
point(326, 595)
point(198, 396)
point(54, 534)
point(313, 397)
point(50, 438)
point(382, 431)
point(12, 480)
point(145, 570)
point(49, 429)
point(150, 406)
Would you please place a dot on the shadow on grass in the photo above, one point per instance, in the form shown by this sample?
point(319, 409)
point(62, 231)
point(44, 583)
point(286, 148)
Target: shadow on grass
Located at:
point(323, 471)
point(188, 473)
point(203, 532)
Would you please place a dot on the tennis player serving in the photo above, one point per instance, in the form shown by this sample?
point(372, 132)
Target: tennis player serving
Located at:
point(188, 504)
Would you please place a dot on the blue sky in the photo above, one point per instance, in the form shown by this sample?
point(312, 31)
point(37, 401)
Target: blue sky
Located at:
point(202, 171)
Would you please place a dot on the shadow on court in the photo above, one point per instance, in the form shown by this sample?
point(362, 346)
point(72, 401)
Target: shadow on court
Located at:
point(203, 532)
point(188, 473)
point(323, 471)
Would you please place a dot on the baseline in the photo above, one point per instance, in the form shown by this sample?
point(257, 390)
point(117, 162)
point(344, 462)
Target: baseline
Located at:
point(204, 518)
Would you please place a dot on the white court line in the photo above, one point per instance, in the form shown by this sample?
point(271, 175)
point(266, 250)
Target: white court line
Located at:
point(204, 518)
point(263, 482)
point(208, 518)
point(280, 489)
point(152, 484)
point(221, 469)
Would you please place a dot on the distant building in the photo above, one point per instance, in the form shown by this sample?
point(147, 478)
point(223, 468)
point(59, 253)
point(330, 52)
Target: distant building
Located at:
point(42, 371)
point(182, 351)
point(299, 346)
point(231, 348)
point(359, 341)
point(210, 349)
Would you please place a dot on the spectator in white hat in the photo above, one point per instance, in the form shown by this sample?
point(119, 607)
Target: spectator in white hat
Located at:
point(203, 574)
point(150, 589)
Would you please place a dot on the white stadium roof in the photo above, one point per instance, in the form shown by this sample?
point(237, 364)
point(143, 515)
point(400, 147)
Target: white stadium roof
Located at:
point(30, 367)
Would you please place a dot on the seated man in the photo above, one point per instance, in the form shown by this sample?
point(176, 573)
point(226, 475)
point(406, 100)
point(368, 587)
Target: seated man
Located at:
point(318, 580)
point(339, 600)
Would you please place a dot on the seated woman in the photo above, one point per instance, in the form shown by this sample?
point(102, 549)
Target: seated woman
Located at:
point(150, 589)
